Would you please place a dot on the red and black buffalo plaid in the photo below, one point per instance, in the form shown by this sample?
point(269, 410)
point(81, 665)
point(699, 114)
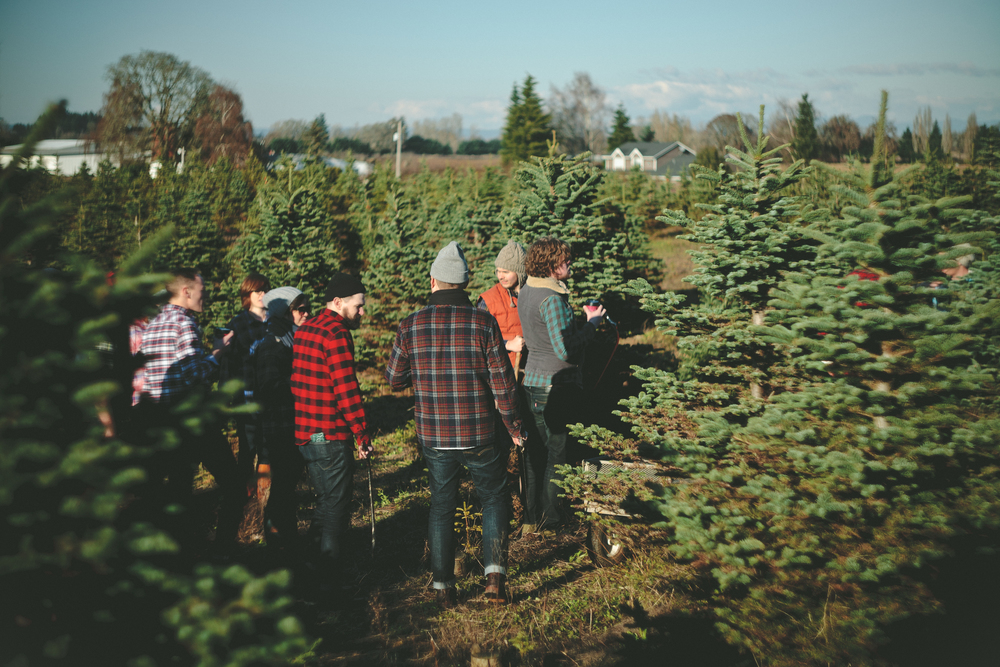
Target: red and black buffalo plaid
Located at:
point(453, 355)
point(324, 382)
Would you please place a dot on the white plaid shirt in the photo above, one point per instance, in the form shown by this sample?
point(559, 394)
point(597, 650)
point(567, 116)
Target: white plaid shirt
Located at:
point(175, 357)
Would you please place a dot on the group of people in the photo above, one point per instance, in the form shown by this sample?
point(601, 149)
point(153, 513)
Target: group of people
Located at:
point(477, 372)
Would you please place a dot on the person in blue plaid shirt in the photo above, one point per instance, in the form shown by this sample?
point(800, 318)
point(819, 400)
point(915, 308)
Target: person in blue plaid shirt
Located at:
point(176, 366)
point(553, 380)
point(453, 356)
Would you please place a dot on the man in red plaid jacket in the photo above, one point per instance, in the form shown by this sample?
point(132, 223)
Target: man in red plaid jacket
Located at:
point(453, 355)
point(329, 415)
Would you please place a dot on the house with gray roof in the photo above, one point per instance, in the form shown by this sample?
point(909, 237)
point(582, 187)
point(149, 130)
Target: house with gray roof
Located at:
point(651, 157)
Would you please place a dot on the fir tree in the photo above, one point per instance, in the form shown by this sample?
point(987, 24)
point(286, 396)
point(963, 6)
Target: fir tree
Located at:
point(291, 239)
point(805, 145)
point(934, 141)
point(905, 146)
point(692, 418)
point(647, 134)
point(316, 139)
point(621, 128)
point(559, 197)
point(528, 127)
point(88, 569)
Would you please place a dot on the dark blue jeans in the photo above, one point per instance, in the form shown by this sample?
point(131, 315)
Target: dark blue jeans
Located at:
point(554, 408)
point(331, 470)
point(488, 467)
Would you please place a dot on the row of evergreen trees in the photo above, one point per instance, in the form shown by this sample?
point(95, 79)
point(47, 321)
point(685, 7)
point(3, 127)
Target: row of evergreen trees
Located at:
point(829, 435)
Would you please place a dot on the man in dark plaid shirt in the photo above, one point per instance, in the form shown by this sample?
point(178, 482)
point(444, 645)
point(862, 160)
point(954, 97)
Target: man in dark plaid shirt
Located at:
point(329, 415)
point(453, 356)
point(177, 365)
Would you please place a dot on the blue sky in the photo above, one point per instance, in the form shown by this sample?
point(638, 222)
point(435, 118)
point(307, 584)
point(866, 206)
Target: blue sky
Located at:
point(362, 62)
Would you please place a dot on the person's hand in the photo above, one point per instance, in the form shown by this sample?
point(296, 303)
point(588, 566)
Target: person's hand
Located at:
point(515, 344)
point(220, 345)
point(365, 448)
point(594, 314)
point(518, 442)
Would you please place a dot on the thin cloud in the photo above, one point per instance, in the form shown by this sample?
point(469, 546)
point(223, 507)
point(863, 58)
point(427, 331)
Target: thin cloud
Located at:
point(916, 69)
point(695, 99)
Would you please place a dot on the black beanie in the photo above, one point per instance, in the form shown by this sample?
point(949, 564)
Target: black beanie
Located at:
point(343, 285)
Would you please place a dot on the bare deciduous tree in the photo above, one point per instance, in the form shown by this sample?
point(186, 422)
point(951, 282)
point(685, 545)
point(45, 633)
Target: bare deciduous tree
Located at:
point(841, 136)
point(286, 129)
point(724, 130)
point(221, 130)
point(947, 139)
point(379, 135)
point(781, 126)
point(579, 115)
point(969, 138)
point(445, 130)
point(922, 130)
point(152, 105)
point(667, 128)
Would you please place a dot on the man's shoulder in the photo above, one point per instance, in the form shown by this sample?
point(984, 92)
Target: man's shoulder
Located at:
point(170, 316)
point(319, 329)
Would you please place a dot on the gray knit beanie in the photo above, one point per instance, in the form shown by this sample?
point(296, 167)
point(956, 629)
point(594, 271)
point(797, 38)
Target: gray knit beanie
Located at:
point(450, 265)
point(511, 258)
point(277, 300)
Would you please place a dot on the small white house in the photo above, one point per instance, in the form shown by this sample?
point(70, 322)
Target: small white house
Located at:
point(65, 156)
point(651, 157)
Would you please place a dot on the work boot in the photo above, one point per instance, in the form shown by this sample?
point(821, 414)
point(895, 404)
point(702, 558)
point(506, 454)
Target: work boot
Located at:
point(446, 597)
point(496, 588)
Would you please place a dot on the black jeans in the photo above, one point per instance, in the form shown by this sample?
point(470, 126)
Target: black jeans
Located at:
point(177, 467)
point(554, 408)
point(331, 470)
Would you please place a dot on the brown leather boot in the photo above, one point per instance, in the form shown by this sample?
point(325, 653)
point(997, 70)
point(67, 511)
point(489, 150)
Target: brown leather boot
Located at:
point(496, 588)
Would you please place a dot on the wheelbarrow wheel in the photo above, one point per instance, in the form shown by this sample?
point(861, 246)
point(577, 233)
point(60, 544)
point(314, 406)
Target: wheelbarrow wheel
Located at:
point(603, 546)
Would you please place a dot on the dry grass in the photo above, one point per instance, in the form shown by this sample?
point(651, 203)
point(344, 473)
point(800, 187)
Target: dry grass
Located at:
point(410, 163)
point(565, 611)
point(677, 264)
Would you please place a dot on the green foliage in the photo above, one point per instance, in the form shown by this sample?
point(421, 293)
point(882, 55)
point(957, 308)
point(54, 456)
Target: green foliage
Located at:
point(621, 128)
point(88, 573)
point(343, 144)
point(805, 145)
point(422, 146)
point(934, 150)
point(528, 127)
point(808, 510)
point(316, 139)
point(905, 147)
point(287, 145)
point(559, 197)
point(292, 238)
point(479, 147)
point(404, 225)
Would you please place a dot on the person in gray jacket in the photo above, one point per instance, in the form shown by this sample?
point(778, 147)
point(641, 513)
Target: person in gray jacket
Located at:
point(553, 380)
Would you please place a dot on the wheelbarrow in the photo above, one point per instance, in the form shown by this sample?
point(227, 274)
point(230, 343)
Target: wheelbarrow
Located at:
point(604, 546)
